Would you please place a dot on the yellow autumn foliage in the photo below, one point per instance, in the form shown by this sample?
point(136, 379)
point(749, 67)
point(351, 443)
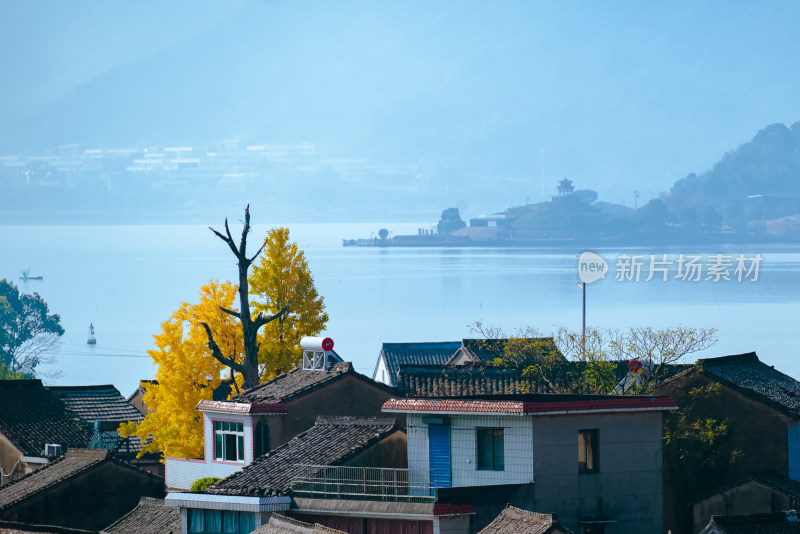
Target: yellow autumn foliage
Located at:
point(281, 277)
point(187, 372)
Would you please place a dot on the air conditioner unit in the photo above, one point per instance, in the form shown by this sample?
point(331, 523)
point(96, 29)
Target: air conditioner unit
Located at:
point(53, 449)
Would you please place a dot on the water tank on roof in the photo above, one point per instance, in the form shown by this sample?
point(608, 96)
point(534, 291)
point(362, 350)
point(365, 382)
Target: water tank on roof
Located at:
point(316, 352)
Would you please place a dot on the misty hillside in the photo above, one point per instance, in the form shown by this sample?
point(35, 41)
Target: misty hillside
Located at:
point(758, 180)
point(368, 82)
point(531, 91)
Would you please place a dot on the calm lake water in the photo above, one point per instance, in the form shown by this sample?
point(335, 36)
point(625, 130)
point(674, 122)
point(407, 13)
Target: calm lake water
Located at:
point(128, 279)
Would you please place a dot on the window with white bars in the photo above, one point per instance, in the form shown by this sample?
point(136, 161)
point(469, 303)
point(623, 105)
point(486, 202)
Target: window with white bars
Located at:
point(228, 441)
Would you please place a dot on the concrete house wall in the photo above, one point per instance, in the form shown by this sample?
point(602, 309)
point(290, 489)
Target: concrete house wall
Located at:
point(759, 431)
point(627, 486)
point(11, 462)
point(349, 395)
point(91, 501)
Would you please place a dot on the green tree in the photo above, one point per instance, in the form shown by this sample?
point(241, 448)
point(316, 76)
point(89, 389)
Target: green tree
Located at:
point(282, 280)
point(569, 362)
point(28, 331)
point(450, 221)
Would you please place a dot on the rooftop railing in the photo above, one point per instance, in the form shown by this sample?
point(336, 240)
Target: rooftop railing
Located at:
point(364, 483)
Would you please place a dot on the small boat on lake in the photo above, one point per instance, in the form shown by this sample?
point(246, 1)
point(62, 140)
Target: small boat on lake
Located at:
point(26, 275)
point(92, 340)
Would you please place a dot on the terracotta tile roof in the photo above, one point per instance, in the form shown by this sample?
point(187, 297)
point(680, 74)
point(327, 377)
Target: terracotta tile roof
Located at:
point(518, 521)
point(31, 416)
point(149, 517)
point(749, 375)
point(332, 440)
point(396, 355)
point(75, 462)
point(775, 523)
point(280, 524)
point(537, 404)
point(293, 384)
point(97, 403)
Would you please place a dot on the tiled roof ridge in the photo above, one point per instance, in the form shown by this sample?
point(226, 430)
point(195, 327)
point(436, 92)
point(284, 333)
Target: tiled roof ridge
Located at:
point(85, 387)
point(32, 382)
point(290, 520)
point(745, 357)
point(100, 454)
point(43, 469)
point(17, 526)
point(789, 516)
point(337, 370)
point(354, 420)
point(519, 513)
point(330, 530)
point(419, 344)
point(466, 366)
point(772, 478)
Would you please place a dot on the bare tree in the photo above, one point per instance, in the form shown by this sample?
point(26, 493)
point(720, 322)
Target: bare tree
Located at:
point(597, 362)
point(250, 325)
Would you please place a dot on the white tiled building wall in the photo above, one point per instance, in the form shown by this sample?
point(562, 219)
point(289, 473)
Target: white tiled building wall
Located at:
point(208, 434)
point(517, 441)
point(181, 473)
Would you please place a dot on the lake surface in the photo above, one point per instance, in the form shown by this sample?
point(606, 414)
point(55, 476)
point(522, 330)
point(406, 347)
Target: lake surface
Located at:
point(128, 279)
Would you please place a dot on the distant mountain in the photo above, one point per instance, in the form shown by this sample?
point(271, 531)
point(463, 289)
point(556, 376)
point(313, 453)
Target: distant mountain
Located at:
point(352, 78)
point(758, 181)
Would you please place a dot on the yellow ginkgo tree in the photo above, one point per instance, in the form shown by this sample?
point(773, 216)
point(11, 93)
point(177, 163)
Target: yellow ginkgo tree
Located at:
point(204, 344)
point(282, 280)
point(187, 372)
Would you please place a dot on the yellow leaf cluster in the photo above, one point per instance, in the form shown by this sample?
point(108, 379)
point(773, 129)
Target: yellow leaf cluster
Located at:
point(187, 372)
point(282, 277)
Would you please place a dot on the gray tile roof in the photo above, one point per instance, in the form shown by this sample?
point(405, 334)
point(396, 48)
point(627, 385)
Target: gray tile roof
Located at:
point(280, 524)
point(75, 462)
point(747, 374)
point(97, 403)
point(149, 517)
point(31, 416)
point(775, 523)
point(395, 355)
point(514, 520)
point(13, 527)
point(331, 441)
point(461, 381)
point(295, 383)
point(486, 350)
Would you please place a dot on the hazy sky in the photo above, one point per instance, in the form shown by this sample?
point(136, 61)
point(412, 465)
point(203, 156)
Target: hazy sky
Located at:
point(614, 95)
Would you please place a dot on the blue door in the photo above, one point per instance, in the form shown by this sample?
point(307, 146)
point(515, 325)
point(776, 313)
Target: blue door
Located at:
point(439, 454)
point(793, 450)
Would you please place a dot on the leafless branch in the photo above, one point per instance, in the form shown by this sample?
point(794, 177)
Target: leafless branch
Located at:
point(217, 353)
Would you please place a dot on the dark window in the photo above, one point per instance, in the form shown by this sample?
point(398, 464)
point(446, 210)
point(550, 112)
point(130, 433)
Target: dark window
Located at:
point(490, 449)
point(228, 441)
point(220, 522)
point(587, 451)
point(261, 444)
point(597, 528)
